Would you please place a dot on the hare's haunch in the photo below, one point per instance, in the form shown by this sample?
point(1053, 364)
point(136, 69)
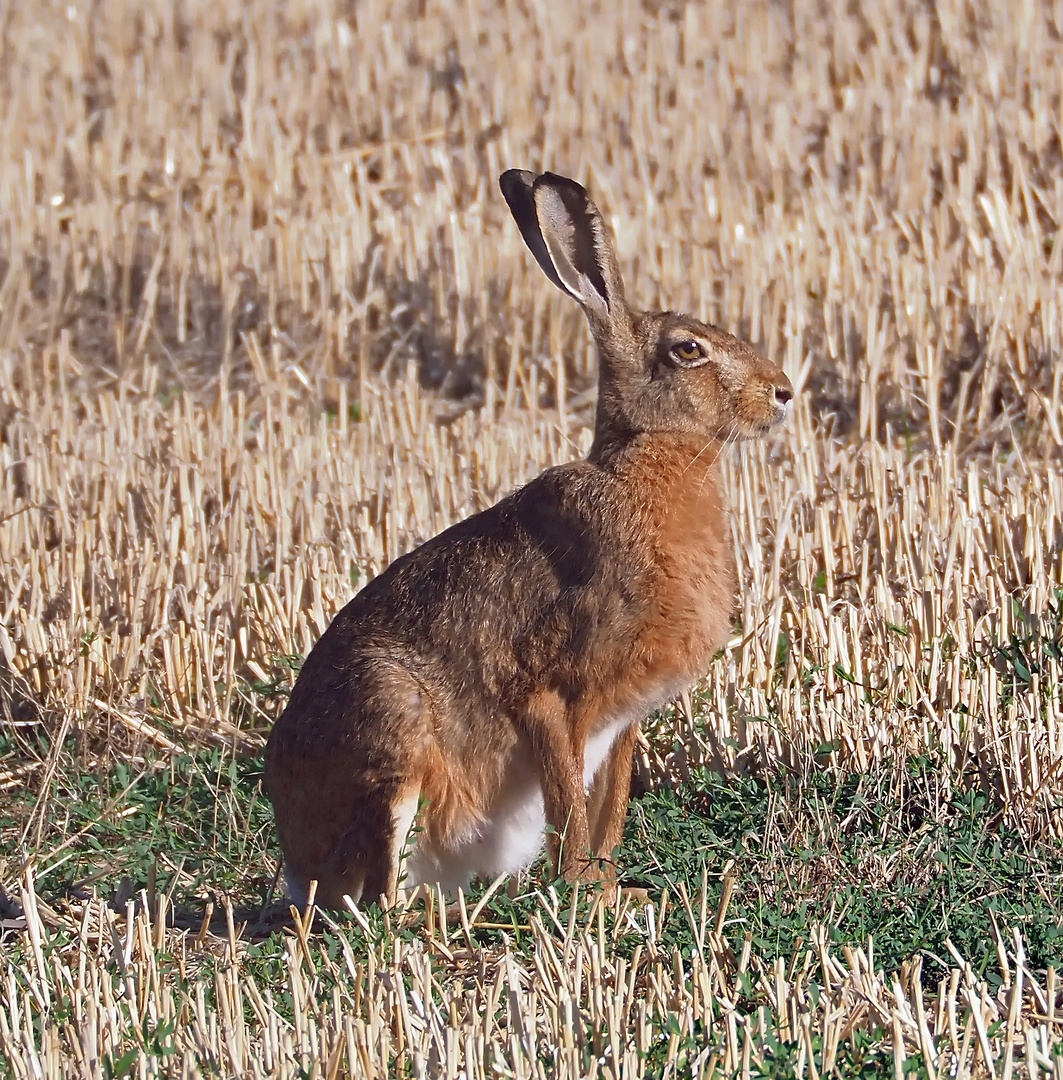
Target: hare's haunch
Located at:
point(494, 678)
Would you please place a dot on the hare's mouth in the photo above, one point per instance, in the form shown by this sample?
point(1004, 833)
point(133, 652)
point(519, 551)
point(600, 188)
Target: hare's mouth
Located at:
point(765, 424)
point(754, 429)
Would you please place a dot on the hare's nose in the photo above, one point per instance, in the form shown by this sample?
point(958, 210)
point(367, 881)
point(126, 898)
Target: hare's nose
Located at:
point(783, 394)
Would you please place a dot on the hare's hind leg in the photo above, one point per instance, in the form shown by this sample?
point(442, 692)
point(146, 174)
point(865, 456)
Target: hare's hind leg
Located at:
point(403, 815)
point(366, 862)
point(344, 777)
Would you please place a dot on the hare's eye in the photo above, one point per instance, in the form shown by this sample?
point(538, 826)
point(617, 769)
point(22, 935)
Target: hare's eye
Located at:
point(686, 352)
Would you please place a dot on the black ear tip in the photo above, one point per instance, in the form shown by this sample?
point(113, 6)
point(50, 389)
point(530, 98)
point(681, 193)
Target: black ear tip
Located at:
point(516, 184)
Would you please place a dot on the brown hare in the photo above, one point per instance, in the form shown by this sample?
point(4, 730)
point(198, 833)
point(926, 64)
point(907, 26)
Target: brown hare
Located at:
point(495, 676)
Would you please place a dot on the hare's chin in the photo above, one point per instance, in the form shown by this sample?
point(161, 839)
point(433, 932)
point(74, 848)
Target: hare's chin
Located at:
point(754, 431)
point(770, 425)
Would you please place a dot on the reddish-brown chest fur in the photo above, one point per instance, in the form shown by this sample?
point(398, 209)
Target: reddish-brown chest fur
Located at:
point(671, 493)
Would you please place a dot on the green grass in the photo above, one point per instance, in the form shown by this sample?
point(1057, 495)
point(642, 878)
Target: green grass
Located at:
point(896, 855)
point(200, 826)
point(889, 855)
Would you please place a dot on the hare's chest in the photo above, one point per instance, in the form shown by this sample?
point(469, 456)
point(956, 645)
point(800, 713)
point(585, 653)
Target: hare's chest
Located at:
point(710, 605)
point(694, 581)
point(695, 599)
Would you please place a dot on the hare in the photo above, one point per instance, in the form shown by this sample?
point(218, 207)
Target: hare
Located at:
point(493, 679)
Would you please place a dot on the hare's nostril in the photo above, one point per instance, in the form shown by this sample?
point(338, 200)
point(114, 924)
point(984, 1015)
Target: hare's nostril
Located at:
point(783, 394)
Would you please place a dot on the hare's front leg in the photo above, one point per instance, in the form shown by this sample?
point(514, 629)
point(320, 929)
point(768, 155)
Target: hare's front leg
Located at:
point(561, 776)
point(607, 803)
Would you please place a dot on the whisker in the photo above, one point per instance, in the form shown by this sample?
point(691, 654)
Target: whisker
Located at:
point(690, 463)
point(720, 444)
point(731, 430)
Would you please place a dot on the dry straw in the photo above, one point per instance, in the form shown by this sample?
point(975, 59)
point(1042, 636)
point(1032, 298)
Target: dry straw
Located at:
point(572, 1005)
point(264, 326)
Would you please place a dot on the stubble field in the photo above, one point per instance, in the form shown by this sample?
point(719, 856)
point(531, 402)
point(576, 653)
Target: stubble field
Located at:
point(265, 324)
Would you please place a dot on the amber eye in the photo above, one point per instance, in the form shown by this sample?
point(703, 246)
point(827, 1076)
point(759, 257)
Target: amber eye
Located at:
point(686, 352)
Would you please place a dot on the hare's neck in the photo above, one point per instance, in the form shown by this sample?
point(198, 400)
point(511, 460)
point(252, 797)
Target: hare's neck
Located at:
point(669, 459)
point(613, 432)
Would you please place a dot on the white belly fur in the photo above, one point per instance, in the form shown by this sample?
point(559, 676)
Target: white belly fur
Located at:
point(511, 837)
point(504, 844)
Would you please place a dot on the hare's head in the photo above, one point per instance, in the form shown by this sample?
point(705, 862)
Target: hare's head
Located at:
point(660, 371)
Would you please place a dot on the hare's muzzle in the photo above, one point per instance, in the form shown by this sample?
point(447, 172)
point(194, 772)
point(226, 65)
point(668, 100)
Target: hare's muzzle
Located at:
point(782, 393)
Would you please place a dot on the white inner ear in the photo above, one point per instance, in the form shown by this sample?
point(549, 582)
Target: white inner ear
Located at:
point(591, 298)
point(559, 233)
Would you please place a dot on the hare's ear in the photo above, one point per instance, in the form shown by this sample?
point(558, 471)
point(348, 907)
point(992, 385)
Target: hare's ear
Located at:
point(565, 232)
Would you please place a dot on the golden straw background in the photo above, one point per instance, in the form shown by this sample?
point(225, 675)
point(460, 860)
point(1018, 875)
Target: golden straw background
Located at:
point(265, 324)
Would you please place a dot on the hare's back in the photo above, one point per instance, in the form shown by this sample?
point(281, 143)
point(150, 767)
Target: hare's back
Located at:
point(492, 606)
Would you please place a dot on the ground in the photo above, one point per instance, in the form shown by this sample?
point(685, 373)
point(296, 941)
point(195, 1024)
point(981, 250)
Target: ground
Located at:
point(265, 324)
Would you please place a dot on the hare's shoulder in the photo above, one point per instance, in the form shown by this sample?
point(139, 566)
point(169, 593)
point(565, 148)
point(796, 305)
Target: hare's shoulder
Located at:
point(563, 517)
